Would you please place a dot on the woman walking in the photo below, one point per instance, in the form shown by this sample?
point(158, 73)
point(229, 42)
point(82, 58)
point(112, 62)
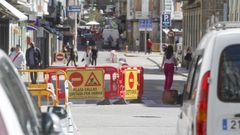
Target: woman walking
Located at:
point(87, 57)
point(168, 66)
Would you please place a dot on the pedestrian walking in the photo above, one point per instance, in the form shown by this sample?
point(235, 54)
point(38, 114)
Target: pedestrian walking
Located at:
point(94, 55)
point(18, 58)
point(149, 46)
point(188, 57)
point(110, 40)
point(72, 56)
point(33, 58)
point(92, 42)
point(168, 66)
point(87, 57)
point(137, 43)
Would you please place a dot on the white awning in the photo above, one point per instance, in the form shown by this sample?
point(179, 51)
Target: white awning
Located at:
point(167, 30)
point(15, 12)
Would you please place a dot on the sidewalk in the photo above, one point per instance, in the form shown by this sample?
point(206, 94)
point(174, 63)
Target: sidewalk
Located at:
point(156, 58)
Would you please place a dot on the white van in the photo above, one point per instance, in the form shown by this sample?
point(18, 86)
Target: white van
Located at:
point(115, 35)
point(211, 98)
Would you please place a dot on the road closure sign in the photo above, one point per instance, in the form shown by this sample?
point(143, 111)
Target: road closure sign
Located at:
point(131, 83)
point(60, 57)
point(86, 83)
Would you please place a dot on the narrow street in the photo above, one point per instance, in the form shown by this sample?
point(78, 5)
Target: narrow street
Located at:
point(147, 118)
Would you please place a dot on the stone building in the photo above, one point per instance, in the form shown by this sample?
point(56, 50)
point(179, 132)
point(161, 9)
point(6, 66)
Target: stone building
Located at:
point(140, 9)
point(198, 15)
point(234, 10)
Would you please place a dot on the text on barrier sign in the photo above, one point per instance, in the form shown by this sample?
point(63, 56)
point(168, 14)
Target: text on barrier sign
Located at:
point(131, 83)
point(86, 83)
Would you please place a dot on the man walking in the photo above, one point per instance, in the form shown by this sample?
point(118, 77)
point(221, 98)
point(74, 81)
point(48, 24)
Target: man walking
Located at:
point(33, 58)
point(72, 56)
point(94, 55)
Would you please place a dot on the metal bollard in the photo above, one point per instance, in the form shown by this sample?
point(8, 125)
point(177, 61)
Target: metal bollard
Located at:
point(126, 49)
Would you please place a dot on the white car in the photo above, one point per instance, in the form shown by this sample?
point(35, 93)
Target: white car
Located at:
point(19, 114)
point(211, 98)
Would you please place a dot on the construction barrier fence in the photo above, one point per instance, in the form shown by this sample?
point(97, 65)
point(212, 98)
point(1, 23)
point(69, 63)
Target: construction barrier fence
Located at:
point(87, 83)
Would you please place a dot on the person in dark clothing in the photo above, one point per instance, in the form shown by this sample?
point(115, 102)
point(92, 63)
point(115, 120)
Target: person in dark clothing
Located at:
point(94, 55)
point(92, 42)
point(110, 40)
point(188, 57)
point(33, 59)
point(72, 56)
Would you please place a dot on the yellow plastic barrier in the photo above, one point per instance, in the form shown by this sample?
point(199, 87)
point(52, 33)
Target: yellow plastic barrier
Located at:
point(44, 86)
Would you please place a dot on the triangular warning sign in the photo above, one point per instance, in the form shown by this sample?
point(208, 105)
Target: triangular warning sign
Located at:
point(92, 80)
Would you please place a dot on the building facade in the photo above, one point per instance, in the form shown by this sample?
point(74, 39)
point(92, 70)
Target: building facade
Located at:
point(234, 10)
point(198, 16)
point(137, 10)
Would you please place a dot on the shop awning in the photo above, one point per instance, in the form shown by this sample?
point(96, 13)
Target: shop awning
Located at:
point(12, 10)
point(50, 29)
point(177, 32)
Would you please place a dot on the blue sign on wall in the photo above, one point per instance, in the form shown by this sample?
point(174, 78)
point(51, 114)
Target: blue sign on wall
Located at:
point(74, 9)
point(166, 20)
point(145, 24)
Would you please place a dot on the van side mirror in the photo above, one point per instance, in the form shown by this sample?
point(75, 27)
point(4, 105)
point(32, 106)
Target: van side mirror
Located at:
point(59, 111)
point(51, 124)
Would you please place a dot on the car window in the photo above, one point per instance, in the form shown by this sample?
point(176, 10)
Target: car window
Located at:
point(18, 98)
point(189, 80)
point(193, 77)
point(229, 74)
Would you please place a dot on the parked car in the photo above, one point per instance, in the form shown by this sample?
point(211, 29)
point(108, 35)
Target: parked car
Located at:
point(19, 114)
point(211, 98)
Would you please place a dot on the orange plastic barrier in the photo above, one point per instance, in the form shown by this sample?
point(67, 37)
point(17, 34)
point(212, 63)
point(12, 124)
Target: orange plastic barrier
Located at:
point(116, 88)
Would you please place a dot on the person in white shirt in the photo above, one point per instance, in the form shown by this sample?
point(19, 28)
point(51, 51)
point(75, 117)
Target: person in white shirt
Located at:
point(18, 58)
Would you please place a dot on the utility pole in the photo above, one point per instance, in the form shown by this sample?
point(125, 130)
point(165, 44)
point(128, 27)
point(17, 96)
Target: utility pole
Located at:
point(161, 28)
point(145, 38)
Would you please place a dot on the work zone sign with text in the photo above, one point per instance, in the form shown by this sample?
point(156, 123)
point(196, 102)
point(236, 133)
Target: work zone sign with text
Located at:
point(131, 83)
point(86, 83)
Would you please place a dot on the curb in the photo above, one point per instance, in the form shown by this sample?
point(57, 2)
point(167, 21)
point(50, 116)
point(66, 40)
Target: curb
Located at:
point(130, 55)
point(176, 72)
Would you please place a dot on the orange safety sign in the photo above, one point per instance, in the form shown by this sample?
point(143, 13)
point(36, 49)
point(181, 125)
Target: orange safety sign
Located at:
point(92, 80)
point(131, 84)
point(86, 83)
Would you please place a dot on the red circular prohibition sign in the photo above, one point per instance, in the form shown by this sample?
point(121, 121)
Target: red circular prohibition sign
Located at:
point(131, 80)
point(76, 79)
point(60, 57)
